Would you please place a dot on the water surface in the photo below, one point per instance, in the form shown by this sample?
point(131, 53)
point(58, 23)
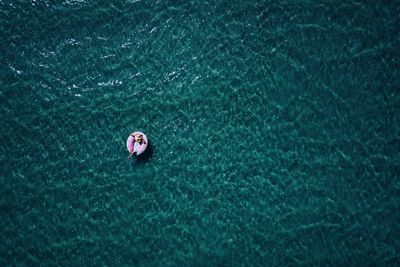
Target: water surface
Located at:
point(274, 127)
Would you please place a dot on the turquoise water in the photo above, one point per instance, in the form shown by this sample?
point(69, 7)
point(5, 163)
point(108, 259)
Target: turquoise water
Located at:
point(274, 129)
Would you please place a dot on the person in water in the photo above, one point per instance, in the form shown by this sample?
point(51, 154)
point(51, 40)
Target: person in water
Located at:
point(137, 142)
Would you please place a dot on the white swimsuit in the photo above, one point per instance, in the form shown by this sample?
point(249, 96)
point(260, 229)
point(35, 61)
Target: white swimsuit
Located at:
point(136, 147)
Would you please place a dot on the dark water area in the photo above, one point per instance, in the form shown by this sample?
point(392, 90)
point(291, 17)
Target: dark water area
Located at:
point(274, 128)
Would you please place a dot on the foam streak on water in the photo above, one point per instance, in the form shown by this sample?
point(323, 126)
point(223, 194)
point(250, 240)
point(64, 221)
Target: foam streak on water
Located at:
point(274, 128)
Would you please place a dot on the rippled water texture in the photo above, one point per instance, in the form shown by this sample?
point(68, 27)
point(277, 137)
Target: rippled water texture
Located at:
point(274, 127)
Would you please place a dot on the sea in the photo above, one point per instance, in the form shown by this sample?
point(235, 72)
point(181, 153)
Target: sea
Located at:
point(273, 128)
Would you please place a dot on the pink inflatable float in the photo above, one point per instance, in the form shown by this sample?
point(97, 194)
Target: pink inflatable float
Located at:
point(137, 142)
